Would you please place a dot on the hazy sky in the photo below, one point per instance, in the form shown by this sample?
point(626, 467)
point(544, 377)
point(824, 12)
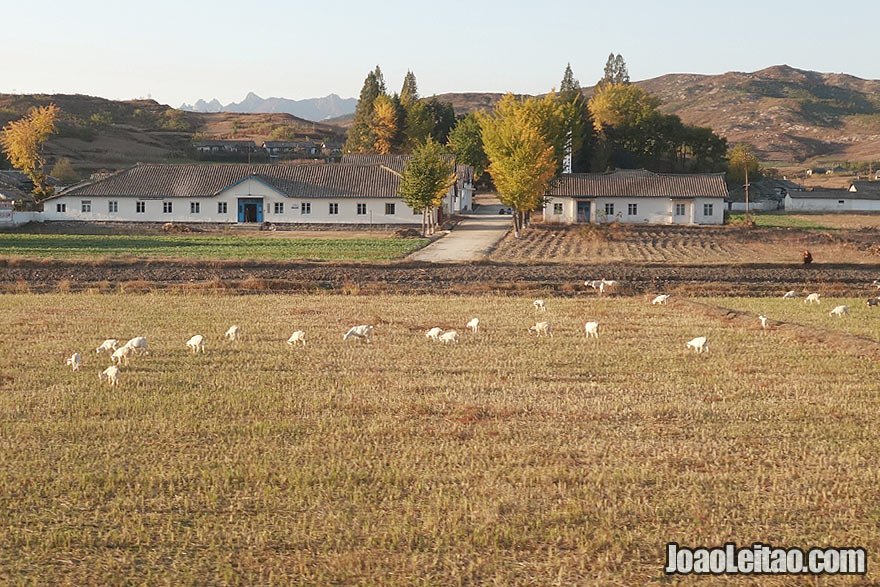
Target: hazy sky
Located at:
point(184, 50)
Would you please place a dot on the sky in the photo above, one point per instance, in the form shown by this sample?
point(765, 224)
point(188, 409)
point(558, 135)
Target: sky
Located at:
point(180, 51)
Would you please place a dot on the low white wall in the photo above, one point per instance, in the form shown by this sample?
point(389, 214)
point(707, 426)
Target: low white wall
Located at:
point(759, 206)
point(16, 218)
point(831, 204)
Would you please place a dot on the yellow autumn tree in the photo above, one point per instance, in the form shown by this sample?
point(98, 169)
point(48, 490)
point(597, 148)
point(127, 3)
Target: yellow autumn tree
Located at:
point(522, 161)
point(384, 124)
point(22, 142)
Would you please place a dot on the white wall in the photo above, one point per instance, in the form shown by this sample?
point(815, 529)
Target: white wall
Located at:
point(649, 210)
point(831, 204)
point(208, 212)
point(14, 217)
point(759, 206)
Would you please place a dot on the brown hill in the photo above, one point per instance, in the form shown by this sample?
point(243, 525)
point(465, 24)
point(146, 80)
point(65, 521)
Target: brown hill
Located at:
point(789, 115)
point(95, 133)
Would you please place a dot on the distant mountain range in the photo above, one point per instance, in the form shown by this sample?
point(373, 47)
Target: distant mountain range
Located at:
point(316, 109)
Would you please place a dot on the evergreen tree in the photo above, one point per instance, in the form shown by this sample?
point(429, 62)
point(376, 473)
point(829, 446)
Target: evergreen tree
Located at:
point(569, 88)
point(466, 141)
point(419, 124)
point(443, 118)
point(409, 93)
point(615, 72)
point(360, 136)
point(621, 73)
point(578, 122)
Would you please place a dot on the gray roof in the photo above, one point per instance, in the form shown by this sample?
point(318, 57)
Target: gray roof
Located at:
point(465, 173)
point(205, 180)
point(866, 187)
point(640, 183)
point(225, 143)
point(10, 192)
point(831, 194)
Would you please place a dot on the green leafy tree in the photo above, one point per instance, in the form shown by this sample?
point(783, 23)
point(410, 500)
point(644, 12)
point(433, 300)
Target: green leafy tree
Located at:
point(425, 180)
point(63, 171)
point(22, 141)
point(522, 161)
point(419, 125)
point(578, 122)
point(360, 136)
point(443, 118)
point(466, 142)
point(409, 93)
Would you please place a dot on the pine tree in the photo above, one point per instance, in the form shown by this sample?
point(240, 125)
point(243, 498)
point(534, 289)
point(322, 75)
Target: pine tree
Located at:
point(621, 73)
point(569, 88)
point(360, 136)
point(615, 72)
point(409, 93)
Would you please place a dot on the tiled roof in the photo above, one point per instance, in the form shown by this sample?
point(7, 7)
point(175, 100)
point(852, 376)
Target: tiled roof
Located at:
point(831, 194)
point(638, 182)
point(866, 187)
point(465, 173)
point(204, 180)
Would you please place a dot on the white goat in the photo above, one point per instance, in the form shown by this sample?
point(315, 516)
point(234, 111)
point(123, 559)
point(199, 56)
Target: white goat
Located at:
point(594, 283)
point(111, 374)
point(233, 332)
point(591, 329)
point(789, 295)
point(605, 284)
point(298, 336)
point(121, 354)
point(138, 344)
point(661, 299)
point(699, 344)
point(434, 334)
point(473, 325)
point(539, 305)
point(763, 320)
point(449, 336)
point(196, 344)
point(75, 361)
point(542, 328)
point(839, 311)
point(109, 345)
point(813, 297)
point(362, 332)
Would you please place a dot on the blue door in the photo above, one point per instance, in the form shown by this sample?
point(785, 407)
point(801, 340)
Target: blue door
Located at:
point(260, 211)
point(250, 210)
point(240, 211)
point(583, 211)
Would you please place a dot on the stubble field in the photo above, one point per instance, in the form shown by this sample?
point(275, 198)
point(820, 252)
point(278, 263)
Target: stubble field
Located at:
point(506, 458)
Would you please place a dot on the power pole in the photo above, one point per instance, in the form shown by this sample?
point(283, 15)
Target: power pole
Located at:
point(747, 191)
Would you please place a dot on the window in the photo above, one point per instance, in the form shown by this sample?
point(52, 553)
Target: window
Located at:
point(140, 207)
point(557, 208)
point(112, 206)
point(334, 208)
point(707, 209)
point(194, 207)
point(679, 209)
point(61, 207)
point(632, 209)
point(278, 208)
point(221, 208)
point(86, 205)
point(166, 207)
point(389, 209)
point(609, 209)
point(840, 201)
point(306, 207)
point(361, 209)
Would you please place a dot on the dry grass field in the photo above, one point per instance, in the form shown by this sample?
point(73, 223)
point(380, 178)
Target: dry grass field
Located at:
point(683, 245)
point(506, 459)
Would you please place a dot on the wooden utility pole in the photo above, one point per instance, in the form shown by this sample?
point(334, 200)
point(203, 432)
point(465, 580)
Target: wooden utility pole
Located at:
point(747, 191)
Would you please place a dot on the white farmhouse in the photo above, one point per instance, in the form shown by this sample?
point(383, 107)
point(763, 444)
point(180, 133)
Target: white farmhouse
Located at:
point(637, 196)
point(329, 193)
point(862, 196)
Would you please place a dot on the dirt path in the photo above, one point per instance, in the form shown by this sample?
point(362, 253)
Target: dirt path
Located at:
point(472, 239)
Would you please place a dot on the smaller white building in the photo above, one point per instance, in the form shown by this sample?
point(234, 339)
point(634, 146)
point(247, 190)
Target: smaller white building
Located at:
point(637, 196)
point(862, 196)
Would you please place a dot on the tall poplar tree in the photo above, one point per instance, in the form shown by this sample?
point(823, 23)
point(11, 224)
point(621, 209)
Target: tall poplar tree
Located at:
point(360, 136)
point(409, 93)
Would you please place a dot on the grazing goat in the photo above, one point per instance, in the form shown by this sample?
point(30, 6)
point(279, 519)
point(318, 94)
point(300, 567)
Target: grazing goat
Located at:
point(196, 344)
point(591, 329)
point(661, 299)
point(606, 283)
point(473, 325)
point(121, 354)
point(449, 336)
point(839, 311)
point(434, 334)
point(233, 332)
point(542, 328)
point(362, 332)
point(111, 374)
point(813, 297)
point(699, 344)
point(539, 305)
point(594, 283)
point(139, 344)
point(75, 361)
point(763, 320)
point(873, 302)
point(109, 345)
point(791, 294)
point(298, 336)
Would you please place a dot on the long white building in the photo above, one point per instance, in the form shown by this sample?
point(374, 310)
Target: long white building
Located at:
point(637, 196)
point(329, 193)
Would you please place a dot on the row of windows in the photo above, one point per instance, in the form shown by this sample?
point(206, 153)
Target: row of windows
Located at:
point(140, 207)
point(633, 209)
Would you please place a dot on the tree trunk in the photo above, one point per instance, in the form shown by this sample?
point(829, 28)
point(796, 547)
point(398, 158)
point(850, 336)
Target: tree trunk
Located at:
point(515, 218)
point(424, 223)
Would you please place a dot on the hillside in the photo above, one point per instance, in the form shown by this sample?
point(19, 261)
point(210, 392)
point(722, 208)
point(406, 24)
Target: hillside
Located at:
point(789, 115)
point(95, 133)
point(330, 106)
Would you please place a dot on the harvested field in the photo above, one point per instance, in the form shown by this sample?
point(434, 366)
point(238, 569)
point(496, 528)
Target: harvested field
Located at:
point(685, 245)
point(506, 459)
